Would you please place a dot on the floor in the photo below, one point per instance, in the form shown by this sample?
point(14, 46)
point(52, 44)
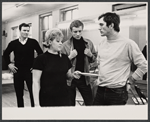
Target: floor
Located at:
point(9, 97)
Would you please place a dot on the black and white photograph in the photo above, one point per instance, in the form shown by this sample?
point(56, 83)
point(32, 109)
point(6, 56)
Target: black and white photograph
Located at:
point(74, 60)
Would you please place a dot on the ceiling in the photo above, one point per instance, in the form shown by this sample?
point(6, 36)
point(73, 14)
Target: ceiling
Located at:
point(15, 10)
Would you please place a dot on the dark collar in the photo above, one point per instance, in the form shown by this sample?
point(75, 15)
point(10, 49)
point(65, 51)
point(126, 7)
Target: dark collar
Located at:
point(71, 40)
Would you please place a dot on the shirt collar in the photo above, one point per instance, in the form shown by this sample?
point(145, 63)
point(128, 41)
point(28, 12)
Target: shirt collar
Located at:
point(23, 42)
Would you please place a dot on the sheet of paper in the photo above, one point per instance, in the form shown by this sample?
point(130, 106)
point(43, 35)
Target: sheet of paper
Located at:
point(89, 74)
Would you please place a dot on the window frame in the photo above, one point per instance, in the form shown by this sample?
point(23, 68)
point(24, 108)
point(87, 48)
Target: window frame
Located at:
point(63, 12)
point(42, 31)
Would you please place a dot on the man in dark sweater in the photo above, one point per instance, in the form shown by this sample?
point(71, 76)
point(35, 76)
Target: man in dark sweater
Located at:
point(23, 49)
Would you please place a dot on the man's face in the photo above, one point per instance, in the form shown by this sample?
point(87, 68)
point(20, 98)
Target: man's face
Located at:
point(77, 32)
point(103, 28)
point(24, 32)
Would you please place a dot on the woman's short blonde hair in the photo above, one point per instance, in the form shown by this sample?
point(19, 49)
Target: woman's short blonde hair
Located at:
point(52, 34)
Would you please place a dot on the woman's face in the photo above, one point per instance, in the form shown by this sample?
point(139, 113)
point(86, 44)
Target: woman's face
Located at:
point(56, 44)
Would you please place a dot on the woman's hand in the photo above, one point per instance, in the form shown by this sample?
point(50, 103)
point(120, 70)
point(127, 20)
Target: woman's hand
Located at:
point(77, 74)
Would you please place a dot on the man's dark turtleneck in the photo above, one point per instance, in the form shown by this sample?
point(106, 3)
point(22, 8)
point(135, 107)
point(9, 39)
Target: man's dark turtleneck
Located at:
point(79, 45)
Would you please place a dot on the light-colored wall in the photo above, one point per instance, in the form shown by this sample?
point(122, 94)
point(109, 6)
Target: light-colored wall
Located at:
point(56, 17)
point(34, 19)
point(85, 10)
point(138, 34)
point(90, 9)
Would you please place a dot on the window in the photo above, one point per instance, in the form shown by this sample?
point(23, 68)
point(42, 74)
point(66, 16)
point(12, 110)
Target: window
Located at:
point(46, 23)
point(69, 13)
point(118, 7)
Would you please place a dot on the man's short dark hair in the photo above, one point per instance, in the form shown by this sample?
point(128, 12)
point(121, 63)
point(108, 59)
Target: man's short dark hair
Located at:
point(76, 23)
point(110, 18)
point(23, 25)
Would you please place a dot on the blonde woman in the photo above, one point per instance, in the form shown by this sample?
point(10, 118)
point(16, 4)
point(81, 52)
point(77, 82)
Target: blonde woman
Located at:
point(50, 73)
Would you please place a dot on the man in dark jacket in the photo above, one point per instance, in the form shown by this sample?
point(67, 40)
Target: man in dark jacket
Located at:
point(23, 49)
point(81, 52)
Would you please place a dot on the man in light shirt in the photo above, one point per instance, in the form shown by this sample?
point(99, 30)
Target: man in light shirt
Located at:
point(23, 49)
point(115, 55)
